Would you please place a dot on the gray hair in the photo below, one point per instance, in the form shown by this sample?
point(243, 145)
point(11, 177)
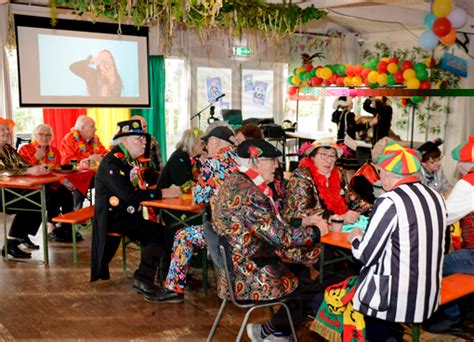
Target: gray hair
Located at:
point(40, 127)
point(81, 121)
point(248, 162)
point(188, 140)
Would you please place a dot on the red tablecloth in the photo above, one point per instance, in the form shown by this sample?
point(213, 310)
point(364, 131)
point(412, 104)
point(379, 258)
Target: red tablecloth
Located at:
point(81, 179)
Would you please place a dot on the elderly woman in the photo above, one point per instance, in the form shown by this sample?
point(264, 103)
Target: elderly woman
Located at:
point(431, 173)
point(40, 152)
point(248, 131)
point(24, 223)
point(317, 186)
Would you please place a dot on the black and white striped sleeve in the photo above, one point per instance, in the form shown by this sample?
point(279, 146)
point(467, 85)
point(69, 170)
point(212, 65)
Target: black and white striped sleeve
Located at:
point(369, 248)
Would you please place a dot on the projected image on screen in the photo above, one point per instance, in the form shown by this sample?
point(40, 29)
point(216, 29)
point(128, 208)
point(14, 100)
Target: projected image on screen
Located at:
point(75, 67)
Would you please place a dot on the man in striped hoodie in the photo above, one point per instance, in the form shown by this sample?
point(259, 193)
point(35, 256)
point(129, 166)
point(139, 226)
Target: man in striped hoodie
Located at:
point(401, 250)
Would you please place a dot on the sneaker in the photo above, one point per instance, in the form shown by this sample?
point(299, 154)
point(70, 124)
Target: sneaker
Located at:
point(165, 296)
point(254, 334)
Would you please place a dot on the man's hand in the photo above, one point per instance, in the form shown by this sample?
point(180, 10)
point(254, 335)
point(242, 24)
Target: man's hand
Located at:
point(350, 216)
point(96, 157)
point(172, 191)
point(355, 233)
point(40, 153)
point(37, 170)
point(323, 228)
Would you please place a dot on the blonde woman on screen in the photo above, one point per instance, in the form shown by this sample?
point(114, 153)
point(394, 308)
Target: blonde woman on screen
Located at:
point(101, 80)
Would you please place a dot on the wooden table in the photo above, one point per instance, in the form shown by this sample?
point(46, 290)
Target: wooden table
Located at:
point(37, 184)
point(338, 240)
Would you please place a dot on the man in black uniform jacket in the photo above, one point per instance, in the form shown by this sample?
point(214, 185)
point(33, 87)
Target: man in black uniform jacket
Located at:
point(119, 189)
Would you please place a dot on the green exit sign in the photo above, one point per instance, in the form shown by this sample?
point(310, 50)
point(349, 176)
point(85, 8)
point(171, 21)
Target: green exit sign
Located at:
point(241, 51)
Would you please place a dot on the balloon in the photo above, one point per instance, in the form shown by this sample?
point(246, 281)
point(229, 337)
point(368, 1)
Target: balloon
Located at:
point(392, 68)
point(296, 80)
point(416, 99)
point(313, 72)
point(292, 90)
point(356, 81)
point(308, 67)
point(441, 27)
point(299, 70)
point(340, 81)
point(404, 102)
point(419, 66)
point(327, 82)
point(385, 59)
point(429, 20)
point(372, 76)
point(325, 73)
point(449, 39)
point(317, 72)
point(333, 79)
point(365, 72)
point(406, 65)
point(391, 80)
point(430, 62)
point(398, 76)
point(382, 79)
point(441, 8)
point(425, 85)
point(457, 17)
point(382, 67)
point(409, 74)
point(428, 40)
point(349, 71)
point(394, 60)
point(413, 83)
point(317, 81)
point(421, 74)
point(290, 80)
point(348, 81)
point(303, 76)
point(358, 69)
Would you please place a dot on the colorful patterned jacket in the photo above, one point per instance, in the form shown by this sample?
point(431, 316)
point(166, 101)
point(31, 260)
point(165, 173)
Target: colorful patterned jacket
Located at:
point(74, 146)
point(52, 156)
point(246, 217)
point(302, 198)
point(11, 163)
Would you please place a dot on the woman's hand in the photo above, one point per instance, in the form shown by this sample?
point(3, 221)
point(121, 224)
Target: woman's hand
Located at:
point(37, 170)
point(350, 216)
point(318, 221)
point(40, 153)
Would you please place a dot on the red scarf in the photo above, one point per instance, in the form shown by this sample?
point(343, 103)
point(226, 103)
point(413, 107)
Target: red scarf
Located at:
point(329, 195)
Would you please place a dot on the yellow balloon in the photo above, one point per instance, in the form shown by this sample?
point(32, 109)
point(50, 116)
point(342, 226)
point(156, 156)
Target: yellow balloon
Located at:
point(441, 8)
point(409, 74)
point(382, 79)
point(325, 73)
point(295, 80)
point(317, 73)
point(304, 84)
point(356, 81)
point(348, 81)
point(373, 76)
point(385, 59)
point(413, 83)
point(300, 70)
point(392, 68)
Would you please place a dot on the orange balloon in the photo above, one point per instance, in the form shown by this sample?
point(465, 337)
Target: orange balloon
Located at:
point(449, 39)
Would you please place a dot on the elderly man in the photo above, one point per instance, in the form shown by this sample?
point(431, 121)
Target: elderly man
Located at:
point(245, 213)
point(219, 166)
point(120, 188)
point(460, 207)
point(402, 249)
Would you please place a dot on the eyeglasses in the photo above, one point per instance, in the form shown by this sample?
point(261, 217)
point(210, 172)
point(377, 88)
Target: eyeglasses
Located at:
point(436, 160)
point(325, 156)
point(47, 135)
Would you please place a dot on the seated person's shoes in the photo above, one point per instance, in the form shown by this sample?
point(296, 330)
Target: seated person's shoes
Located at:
point(254, 334)
point(28, 243)
point(165, 296)
point(14, 251)
point(145, 287)
point(446, 325)
point(60, 234)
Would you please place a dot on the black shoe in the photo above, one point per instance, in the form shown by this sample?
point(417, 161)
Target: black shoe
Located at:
point(14, 251)
point(165, 296)
point(447, 325)
point(63, 235)
point(145, 287)
point(28, 243)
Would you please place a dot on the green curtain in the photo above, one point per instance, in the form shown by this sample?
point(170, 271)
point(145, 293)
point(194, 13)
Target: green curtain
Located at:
point(155, 116)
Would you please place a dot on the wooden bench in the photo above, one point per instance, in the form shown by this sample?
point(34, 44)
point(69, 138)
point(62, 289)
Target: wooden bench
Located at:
point(453, 287)
point(82, 219)
point(79, 220)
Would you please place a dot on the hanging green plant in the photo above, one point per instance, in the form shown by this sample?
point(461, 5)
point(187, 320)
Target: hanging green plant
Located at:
point(235, 15)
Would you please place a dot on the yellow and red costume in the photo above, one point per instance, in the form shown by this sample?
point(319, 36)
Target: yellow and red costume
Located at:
point(75, 146)
point(52, 156)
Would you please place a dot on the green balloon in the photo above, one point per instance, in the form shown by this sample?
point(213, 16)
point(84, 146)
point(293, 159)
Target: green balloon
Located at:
point(295, 72)
point(419, 66)
point(313, 72)
point(391, 79)
point(290, 80)
point(416, 99)
point(342, 70)
point(373, 85)
point(421, 74)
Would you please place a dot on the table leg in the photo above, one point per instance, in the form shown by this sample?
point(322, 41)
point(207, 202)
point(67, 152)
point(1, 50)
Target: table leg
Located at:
point(321, 264)
point(5, 232)
point(44, 224)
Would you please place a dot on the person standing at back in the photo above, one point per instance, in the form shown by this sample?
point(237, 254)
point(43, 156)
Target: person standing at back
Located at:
point(382, 120)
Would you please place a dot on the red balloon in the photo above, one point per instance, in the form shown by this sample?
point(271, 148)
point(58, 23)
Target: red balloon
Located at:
point(308, 67)
point(327, 82)
point(425, 85)
point(317, 81)
point(382, 67)
point(292, 90)
point(340, 81)
point(406, 65)
point(333, 79)
point(350, 71)
point(393, 60)
point(441, 26)
point(404, 102)
point(365, 72)
point(399, 76)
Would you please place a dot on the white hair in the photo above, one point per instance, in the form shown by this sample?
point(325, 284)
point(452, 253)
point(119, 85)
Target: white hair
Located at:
point(40, 127)
point(81, 122)
point(465, 167)
point(248, 162)
point(188, 140)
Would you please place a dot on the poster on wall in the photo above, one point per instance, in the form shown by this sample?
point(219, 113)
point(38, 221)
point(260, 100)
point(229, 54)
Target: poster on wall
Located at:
point(259, 92)
point(214, 88)
point(248, 83)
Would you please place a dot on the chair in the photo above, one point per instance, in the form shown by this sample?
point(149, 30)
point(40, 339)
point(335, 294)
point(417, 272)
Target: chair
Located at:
point(220, 254)
point(20, 141)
